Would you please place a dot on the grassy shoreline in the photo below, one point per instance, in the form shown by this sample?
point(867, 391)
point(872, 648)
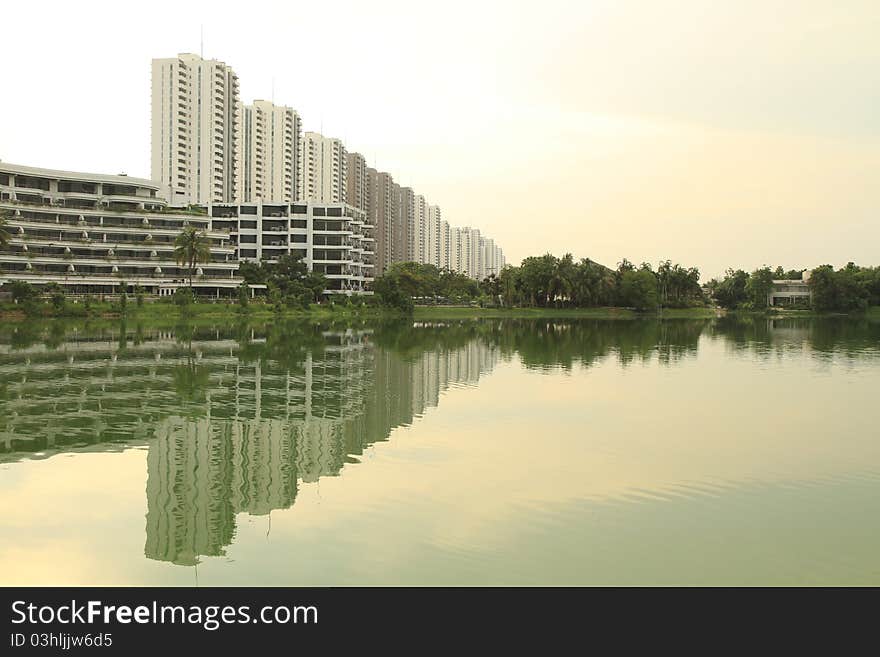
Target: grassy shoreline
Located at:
point(464, 312)
point(227, 311)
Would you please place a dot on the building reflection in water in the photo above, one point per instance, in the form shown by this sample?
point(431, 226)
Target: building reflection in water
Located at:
point(235, 419)
point(231, 425)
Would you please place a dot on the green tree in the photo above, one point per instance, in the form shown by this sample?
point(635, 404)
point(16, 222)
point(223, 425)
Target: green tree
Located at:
point(315, 283)
point(731, 291)
point(638, 289)
point(509, 281)
point(563, 281)
point(538, 276)
point(253, 273)
point(491, 287)
point(183, 297)
point(21, 291)
point(56, 297)
point(191, 247)
point(390, 294)
point(123, 296)
point(759, 286)
point(845, 290)
point(244, 295)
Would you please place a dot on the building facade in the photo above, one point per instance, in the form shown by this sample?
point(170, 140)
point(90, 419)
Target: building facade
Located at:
point(420, 229)
point(380, 213)
point(322, 169)
point(209, 149)
point(356, 187)
point(791, 292)
point(90, 233)
point(404, 233)
point(194, 129)
point(333, 239)
point(266, 159)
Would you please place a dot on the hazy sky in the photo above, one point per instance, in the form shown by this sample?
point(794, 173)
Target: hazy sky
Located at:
point(709, 132)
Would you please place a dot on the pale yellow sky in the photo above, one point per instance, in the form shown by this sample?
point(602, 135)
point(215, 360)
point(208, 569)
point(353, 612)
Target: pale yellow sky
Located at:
point(714, 133)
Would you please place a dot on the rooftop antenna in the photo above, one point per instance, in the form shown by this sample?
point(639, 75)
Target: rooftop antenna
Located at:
point(202, 41)
point(273, 89)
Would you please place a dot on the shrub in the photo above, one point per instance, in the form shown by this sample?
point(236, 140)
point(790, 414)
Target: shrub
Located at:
point(184, 297)
point(21, 291)
point(244, 294)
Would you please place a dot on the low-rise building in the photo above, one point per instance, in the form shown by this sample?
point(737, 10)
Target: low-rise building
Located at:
point(332, 238)
point(791, 292)
point(91, 232)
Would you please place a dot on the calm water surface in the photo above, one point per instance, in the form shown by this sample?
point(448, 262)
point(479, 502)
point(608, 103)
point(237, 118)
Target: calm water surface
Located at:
point(491, 452)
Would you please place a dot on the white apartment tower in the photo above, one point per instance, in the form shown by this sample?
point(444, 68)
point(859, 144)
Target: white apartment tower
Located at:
point(434, 250)
point(194, 129)
point(322, 169)
point(454, 250)
point(267, 153)
point(357, 191)
point(404, 225)
point(470, 257)
point(490, 258)
point(420, 230)
point(445, 245)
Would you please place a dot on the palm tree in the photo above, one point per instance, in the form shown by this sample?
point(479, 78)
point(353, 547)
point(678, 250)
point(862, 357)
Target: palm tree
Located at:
point(190, 248)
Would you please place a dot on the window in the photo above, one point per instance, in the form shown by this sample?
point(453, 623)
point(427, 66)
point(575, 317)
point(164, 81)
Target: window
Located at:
point(247, 223)
point(247, 239)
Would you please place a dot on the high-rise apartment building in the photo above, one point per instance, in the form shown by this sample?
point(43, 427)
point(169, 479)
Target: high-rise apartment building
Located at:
point(454, 250)
point(267, 153)
point(420, 231)
point(356, 188)
point(322, 169)
point(208, 148)
point(445, 232)
point(433, 241)
point(487, 250)
point(470, 252)
point(381, 214)
point(194, 129)
point(404, 225)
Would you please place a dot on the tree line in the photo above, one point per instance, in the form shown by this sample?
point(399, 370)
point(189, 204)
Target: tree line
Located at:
point(850, 288)
point(547, 281)
point(287, 280)
point(404, 281)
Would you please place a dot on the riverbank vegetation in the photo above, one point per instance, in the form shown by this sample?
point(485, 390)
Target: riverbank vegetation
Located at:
point(541, 286)
point(848, 289)
point(548, 282)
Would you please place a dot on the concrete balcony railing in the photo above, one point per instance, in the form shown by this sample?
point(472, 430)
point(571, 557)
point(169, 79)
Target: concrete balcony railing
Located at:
point(108, 227)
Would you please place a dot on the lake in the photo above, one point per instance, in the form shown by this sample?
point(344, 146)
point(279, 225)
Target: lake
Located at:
point(694, 452)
